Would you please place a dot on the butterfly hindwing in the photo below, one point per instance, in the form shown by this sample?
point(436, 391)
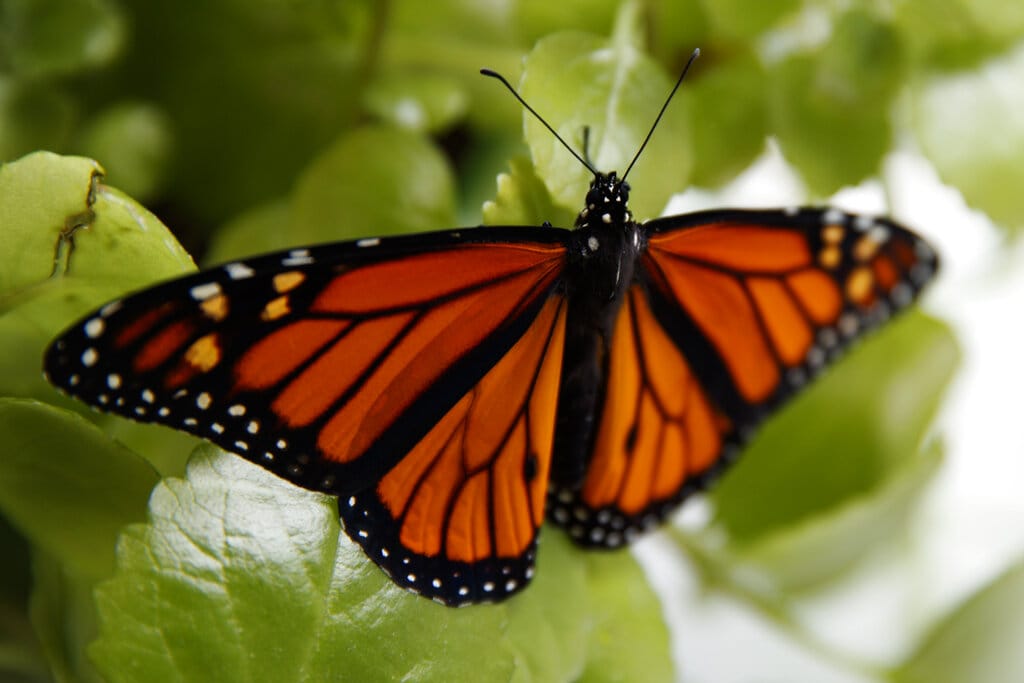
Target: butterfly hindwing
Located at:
point(658, 437)
point(457, 518)
point(731, 313)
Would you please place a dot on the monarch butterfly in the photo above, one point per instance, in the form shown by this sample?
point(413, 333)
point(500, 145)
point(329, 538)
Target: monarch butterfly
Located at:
point(455, 388)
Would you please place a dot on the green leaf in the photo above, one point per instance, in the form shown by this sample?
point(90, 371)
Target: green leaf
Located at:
point(56, 37)
point(969, 126)
point(422, 103)
point(33, 116)
point(844, 437)
point(522, 199)
point(57, 467)
point(239, 575)
point(261, 229)
point(373, 181)
point(737, 20)
point(70, 244)
point(979, 642)
point(629, 640)
point(954, 34)
point(831, 141)
point(730, 127)
point(64, 618)
point(576, 80)
point(135, 142)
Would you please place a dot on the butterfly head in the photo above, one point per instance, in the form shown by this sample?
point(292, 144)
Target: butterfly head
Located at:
point(607, 202)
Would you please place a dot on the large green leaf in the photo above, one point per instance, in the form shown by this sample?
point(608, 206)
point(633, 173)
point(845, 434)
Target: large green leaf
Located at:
point(844, 437)
point(239, 575)
point(56, 467)
point(979, 642)
point(970, 127)
point(577, 80)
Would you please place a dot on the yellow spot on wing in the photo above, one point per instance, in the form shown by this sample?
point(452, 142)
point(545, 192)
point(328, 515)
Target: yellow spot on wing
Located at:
point(216, 307)
point(286, 282)
point(204, 353)
point(859, 284)
point(833, 234)
point(276, 308)
point(830, 257)
point(865, 248)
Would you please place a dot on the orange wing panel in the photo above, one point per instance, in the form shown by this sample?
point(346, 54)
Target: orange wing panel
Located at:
point(657, 427)
point(469, 475)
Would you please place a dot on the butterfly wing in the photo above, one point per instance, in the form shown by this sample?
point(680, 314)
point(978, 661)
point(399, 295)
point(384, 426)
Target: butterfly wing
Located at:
point(732, 312)
point(415, 377)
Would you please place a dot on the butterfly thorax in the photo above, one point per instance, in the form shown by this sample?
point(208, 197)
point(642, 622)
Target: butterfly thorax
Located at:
point(603, 253)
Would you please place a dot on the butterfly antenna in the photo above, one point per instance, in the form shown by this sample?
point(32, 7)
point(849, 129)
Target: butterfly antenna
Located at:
point(696, 53)
point(495, 74)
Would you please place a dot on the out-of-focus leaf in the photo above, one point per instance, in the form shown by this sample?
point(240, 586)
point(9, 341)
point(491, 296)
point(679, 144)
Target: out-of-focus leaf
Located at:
point(56, 37)
point(844, 437)
point(56, 467)
point(422, 103)
point(979, 642)
point(522, 199)
point(741, 21)
point(373, 181)
point(970, 127)
point(729, 117)
point(135, 141)
point(63, 615)
point(32, 117)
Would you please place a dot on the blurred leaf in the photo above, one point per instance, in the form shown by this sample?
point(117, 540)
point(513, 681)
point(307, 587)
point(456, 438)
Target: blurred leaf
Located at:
point(979, 642)
point(375, 180)
point(675, 28)
point(821, 547)
point(64, 618)
point(829, 140)
point(629, 640)
point(522, 199)
point(32, 117)
point(259, 230)
point(740, 21)
point(55, 37)
point(419, 102)
point(970, 127)
point(575, 80)
point(844, 437)
point(57, 466)
point(954, 34)
point(729, 119)
point(537, 18)
point(239, 575)
point(254, 90)
point(134, 140)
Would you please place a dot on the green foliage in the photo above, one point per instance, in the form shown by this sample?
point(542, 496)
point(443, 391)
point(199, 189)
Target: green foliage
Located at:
point(254, 126)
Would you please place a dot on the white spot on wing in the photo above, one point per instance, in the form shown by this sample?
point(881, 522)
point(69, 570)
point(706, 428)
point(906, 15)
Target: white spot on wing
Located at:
point(205, 291)
point(238, 271)
point(89, 357)
point(94, 328)
point(369, 242)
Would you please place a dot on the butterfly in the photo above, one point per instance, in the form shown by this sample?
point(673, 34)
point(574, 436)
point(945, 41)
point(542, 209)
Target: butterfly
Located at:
point(453, 389)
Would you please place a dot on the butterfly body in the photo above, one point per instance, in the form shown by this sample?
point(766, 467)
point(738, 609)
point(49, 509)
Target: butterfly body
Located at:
point(601, 259)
